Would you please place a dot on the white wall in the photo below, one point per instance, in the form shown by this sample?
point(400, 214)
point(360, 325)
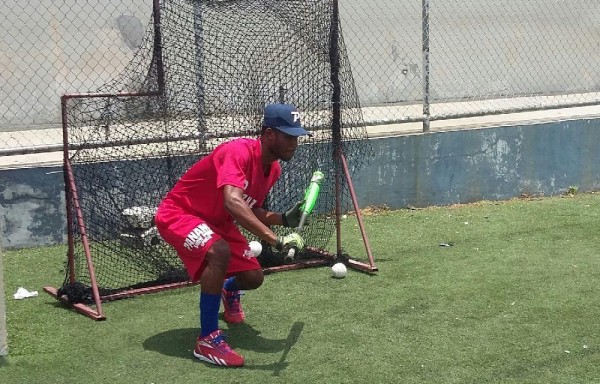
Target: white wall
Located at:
point(49, 48)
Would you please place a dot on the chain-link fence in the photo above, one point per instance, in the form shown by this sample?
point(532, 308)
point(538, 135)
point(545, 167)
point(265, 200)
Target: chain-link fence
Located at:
point(412, 60)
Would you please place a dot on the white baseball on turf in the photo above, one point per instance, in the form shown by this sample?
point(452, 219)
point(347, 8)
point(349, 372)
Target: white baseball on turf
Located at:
point(255, 247)
point(339, 270)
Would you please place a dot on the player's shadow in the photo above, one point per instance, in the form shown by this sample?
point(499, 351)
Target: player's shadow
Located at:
point(180, 342)
point(175, 342)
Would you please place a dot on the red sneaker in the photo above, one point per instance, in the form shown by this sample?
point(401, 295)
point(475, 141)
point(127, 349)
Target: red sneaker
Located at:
point(215, 350)
point(233, 312)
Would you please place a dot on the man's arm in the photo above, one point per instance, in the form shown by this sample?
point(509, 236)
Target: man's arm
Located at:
point(253, 221)
point(268, 218)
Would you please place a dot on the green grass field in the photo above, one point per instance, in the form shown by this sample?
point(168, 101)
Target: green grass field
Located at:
point(513, 298)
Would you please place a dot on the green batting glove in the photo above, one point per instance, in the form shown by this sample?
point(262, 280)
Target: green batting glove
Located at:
point(293, 240)
point(291, 217)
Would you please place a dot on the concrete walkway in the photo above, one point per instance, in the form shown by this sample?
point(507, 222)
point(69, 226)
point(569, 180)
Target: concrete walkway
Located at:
point(376, 128)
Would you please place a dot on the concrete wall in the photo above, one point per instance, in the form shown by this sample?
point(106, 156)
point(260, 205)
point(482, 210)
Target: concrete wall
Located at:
point(32, 207)
point(437, 168)
point(483, 164)
point(54, 47)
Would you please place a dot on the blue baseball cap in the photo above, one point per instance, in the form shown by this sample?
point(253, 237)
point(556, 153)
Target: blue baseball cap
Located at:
point(284, 118)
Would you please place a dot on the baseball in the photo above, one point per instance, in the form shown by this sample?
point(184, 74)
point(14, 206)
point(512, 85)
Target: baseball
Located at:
point(339, 270)
point(255, 247)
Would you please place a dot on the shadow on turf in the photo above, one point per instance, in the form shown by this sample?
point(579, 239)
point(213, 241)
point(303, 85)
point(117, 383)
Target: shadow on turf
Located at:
point(179, 343)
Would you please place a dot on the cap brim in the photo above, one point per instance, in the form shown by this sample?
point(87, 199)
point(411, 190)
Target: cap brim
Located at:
point(294, 131)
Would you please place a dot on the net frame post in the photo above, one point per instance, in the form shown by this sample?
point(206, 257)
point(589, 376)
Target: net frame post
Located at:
point(74, 211)
point(322, 260)
point(370, 267)
point(72, 200)
point(341, 165)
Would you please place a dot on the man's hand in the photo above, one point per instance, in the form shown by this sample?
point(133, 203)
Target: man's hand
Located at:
point(291, 217)
point(293, 240)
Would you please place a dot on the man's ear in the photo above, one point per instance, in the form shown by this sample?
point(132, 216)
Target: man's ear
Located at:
point(269, 133)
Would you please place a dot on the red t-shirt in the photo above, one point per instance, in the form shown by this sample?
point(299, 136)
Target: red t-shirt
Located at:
point(238, 163)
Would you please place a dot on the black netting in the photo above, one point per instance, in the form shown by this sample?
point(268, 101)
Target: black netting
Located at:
point(203, 75)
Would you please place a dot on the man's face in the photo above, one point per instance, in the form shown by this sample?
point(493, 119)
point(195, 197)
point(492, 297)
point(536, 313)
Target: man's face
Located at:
point(282, 145)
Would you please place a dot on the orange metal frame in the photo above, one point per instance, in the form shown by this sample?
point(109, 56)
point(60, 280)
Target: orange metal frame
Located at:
point(74, 209)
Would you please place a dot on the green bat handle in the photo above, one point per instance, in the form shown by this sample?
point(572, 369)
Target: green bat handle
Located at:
point(310, 196)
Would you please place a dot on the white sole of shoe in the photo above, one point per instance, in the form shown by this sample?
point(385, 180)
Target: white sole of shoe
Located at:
point(211, 359)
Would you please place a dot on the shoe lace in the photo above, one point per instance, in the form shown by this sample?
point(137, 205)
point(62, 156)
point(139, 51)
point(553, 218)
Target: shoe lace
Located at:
point(220, 343)
point(233, 300)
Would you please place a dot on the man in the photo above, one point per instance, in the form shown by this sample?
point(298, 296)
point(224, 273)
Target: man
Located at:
point(198, 218)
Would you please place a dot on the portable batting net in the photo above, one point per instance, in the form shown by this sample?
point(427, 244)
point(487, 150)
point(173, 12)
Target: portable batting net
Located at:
point(202, 76)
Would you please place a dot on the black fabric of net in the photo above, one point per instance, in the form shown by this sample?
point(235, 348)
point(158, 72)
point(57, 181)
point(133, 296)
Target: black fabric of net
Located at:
point(216, 67)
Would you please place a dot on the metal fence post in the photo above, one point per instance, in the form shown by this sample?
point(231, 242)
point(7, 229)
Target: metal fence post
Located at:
point(425, 51)
point(3, 330)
